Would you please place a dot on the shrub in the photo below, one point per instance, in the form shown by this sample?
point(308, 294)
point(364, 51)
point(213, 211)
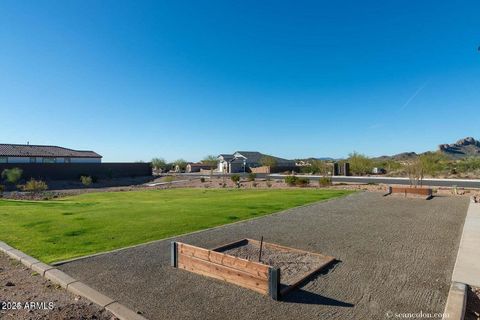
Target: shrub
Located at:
point(301, 182)
point(235, 178)
point(86, 180)
point(252, 176)
point(202, 179)
point(269, 184)
point(35, 186)
point(12, 175)
point(360, 164)
point(325, 182)
point(291, 180)
point(254, 184)
point(169, 179)
point(2, 188)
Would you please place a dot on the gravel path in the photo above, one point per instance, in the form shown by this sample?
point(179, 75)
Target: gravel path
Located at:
point(25, 295)
point(395, 255)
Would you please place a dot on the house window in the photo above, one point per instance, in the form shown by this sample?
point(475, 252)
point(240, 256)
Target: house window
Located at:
point(49, 160)
point(33, 160)
point(3, 160)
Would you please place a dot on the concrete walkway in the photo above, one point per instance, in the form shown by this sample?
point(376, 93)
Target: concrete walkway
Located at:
point(396, 255)
point(467, 267)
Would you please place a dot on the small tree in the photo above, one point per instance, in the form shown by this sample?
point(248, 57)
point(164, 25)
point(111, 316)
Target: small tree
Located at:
point(252, 176)
point(159, 164)
point(210, 160)
point(415, 172)
point(432, 163)
point(12, 175)
point(181, 163)
point(359, 163)
point(268, 161)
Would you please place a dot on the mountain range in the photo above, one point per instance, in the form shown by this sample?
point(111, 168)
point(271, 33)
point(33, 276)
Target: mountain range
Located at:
point(463, 148)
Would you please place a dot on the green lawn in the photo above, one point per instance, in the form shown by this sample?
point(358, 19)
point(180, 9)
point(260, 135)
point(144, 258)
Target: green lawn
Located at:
point(95, 222)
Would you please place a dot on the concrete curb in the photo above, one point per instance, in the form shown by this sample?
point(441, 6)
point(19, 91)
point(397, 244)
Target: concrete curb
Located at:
point(70, 284)
point(456, 302)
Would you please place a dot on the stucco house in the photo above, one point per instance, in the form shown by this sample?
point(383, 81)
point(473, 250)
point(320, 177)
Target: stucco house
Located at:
point(26, 153)
point(197, 167)
point(242, 161)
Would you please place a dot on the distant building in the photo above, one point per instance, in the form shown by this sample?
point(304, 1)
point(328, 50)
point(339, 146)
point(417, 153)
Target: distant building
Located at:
point(242, 161)
point(197, 167)
point(24, 153)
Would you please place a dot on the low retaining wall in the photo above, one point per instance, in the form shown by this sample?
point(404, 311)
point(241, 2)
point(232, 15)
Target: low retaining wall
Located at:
point(73, 171)
point(427, 192)
point(248, 274)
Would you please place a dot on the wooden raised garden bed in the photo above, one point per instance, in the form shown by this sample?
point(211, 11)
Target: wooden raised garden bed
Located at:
point(280, 270)
point(421, 192)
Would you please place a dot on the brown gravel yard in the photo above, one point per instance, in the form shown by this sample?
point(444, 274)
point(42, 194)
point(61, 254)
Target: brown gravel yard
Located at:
point(20, 287)
point(395, 255)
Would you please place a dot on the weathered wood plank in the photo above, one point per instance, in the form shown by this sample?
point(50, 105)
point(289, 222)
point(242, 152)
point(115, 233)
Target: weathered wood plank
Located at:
point(419, 191)
point(251, 267)
point(220, 272)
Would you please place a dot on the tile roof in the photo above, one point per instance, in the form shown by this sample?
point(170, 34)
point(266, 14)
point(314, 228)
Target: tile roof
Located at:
point(23, 150)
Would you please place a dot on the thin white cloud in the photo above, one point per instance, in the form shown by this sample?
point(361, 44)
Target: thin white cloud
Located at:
point(405, 105)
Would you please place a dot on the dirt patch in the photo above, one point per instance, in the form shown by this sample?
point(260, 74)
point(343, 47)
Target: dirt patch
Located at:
point(293, 265)
point(473, 304)
point(26, 295)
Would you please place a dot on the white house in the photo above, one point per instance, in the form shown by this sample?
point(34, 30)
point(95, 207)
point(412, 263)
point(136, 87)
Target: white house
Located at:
point(25, 153)
point(242, 161)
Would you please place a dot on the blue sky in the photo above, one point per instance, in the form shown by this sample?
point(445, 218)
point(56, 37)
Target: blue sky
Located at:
point(134, 80)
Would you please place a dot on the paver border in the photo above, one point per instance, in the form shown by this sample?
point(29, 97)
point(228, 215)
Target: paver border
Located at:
point(70, 284)
point(59, 263)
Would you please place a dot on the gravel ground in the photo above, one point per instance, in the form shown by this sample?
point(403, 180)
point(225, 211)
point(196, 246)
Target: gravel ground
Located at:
point(20, 287)
point(395, 255)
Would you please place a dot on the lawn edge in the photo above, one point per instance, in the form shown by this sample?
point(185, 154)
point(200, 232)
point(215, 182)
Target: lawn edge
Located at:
point(59, 263)
point(70, 284)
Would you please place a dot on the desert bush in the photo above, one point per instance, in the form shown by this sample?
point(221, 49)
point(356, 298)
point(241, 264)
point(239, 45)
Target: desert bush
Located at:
point(291, 180)
point(12, 175)
point(86, 180)
point(169, 179)
point(325, 181)
point(468, 165)
point(433, 163)
point(35, 186)
point(202, 179)
point(235, 178)
point(301, 182)
point(359, 163)
point(252, 176)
